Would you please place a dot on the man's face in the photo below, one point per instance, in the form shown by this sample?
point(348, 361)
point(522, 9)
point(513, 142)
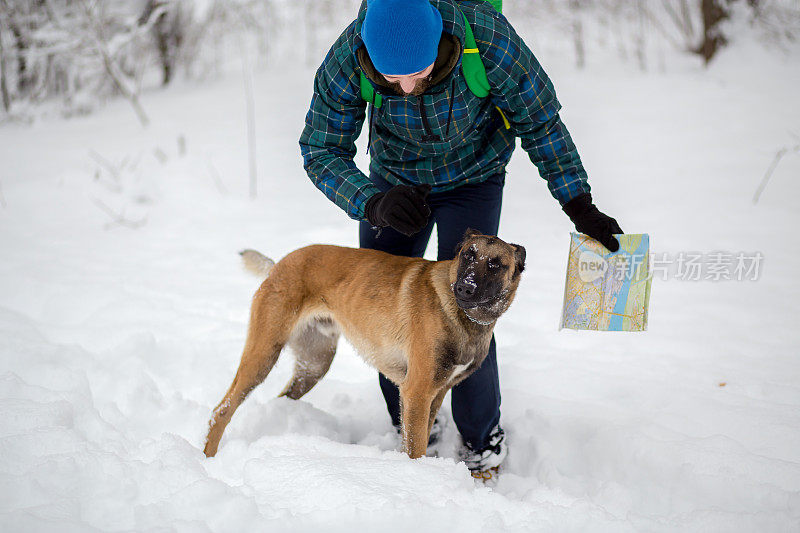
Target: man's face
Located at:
point(411, 84)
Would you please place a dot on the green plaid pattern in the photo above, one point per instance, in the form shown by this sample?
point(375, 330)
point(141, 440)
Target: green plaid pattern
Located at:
point(469, 142)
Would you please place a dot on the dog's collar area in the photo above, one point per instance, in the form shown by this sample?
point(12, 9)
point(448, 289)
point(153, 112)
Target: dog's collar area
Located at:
point(481, 322)
point(485, 304)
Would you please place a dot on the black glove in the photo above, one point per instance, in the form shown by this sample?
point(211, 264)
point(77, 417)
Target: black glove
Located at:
point(589, 220)
point(402, 207)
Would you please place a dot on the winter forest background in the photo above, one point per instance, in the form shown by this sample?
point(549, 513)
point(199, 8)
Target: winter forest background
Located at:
point(143, 144)
point(72, 52)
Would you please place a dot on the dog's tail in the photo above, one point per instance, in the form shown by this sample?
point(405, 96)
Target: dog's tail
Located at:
point(256, 263)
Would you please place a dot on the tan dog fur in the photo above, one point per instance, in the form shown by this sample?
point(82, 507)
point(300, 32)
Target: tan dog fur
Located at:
point(400, 313)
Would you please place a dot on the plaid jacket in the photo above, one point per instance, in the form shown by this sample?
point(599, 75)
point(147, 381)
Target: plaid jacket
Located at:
point(463, 140)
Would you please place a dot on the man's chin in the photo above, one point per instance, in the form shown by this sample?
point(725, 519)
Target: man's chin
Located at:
point(419, 88)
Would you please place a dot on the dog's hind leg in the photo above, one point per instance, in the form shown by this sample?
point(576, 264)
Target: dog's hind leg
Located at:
point(314, 346)
point(266, 337)
point(257, 361)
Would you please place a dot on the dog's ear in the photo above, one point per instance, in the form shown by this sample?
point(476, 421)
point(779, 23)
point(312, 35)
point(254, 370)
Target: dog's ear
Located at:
point(467, 234)
point(470, 233)
point(519, 258)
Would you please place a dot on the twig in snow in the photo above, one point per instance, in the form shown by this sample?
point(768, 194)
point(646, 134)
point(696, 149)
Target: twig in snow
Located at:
point(118, 218)
point(112, 169)
point(102, 161)
point(161, 155)
point(775, 160)
point(217, 178)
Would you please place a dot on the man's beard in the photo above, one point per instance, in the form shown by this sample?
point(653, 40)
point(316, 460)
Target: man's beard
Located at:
point(421, 86)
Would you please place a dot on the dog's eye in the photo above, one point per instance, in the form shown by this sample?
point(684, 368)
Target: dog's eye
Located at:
point(495, 264)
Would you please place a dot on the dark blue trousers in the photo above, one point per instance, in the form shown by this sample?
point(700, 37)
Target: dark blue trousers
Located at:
point(476, 400)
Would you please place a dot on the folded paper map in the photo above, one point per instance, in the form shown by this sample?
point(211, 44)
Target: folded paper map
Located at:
point(607, 291)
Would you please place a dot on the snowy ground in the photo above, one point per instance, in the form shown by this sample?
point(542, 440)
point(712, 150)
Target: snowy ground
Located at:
point(117, 342)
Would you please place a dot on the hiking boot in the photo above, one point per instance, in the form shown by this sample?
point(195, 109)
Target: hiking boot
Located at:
point(484, 464)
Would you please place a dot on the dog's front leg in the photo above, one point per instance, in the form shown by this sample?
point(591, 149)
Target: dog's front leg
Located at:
point(417, 393)
point(416, 411)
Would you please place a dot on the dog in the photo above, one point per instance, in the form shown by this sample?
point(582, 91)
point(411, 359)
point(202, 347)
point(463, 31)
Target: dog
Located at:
point(426, 325)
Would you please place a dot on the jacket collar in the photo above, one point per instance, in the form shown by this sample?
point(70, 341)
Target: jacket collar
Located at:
point(447, 60)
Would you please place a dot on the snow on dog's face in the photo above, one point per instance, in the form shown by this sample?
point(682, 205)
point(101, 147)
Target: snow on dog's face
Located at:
point(485, 275)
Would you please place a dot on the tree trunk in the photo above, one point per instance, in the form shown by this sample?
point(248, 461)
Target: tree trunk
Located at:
point(714, 12)
point(3, 83)
point(21, 45)
point(577, 33)
point(168, 34)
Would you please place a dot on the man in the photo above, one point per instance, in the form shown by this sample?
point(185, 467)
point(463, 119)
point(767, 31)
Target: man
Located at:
point(439, 152)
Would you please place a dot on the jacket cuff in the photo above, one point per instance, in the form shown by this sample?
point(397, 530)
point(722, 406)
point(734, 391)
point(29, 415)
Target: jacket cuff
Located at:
point(578, 205)
point(370, 207)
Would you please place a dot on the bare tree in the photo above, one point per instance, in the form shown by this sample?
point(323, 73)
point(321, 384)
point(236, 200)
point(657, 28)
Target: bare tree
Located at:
point(15, 15)
point(169, 29)
point(80, 51)
point(121, 81)
point(3, 78)
point(680, 13)
point(577, 32)
point(714, 12)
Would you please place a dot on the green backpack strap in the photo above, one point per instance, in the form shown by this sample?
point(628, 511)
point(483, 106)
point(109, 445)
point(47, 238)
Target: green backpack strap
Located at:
point(471, 64)
point(473, 68)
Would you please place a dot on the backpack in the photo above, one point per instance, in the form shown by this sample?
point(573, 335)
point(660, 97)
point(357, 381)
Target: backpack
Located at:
point(471, 65)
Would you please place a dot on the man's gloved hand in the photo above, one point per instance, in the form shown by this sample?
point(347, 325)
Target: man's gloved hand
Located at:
point(402, 207)
point(589, 220)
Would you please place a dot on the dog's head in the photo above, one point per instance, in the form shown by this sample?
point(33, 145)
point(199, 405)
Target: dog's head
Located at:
point(485, 274)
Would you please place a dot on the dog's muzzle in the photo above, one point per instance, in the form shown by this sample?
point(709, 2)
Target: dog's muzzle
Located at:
point(465, 292)
point(467, 296)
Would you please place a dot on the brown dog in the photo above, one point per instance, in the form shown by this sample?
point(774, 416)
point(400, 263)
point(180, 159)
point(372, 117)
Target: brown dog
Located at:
point(425, 325)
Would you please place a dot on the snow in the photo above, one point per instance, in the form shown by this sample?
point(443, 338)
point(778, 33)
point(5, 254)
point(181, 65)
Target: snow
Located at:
point(117, 342)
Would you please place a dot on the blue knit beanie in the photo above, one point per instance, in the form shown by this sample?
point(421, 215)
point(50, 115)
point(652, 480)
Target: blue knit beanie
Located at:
point(401, 36)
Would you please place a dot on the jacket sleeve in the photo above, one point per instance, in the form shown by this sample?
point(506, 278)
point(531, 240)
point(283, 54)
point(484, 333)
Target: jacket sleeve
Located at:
point(524, 92)
point(332, 126)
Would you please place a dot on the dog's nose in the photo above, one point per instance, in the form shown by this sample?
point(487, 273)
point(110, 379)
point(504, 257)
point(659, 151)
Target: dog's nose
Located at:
point(465, 290)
